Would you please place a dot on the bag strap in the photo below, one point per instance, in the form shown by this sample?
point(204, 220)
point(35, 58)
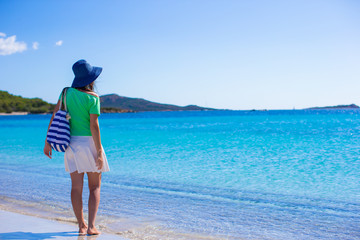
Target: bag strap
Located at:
point(63, 96)
point(65, 90)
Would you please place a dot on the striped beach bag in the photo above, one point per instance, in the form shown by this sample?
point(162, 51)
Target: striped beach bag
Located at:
point(59, 132)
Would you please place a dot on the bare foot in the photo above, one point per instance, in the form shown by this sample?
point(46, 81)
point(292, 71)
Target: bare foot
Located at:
point(93, 231)
point(82, 229)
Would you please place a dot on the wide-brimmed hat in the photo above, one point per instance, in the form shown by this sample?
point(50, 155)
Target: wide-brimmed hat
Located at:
point(84, 73)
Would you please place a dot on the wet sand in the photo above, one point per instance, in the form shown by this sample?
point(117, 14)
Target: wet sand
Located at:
point(18, 226)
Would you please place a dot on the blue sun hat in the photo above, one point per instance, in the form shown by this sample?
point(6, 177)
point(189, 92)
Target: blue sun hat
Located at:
point(84, 73)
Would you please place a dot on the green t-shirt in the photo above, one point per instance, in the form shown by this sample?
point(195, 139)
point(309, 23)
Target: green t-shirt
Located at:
point(80, 105)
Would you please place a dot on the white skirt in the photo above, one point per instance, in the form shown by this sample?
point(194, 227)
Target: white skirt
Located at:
point(81, 154)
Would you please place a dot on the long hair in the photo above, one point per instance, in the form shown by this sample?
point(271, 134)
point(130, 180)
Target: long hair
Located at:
point(90, 87)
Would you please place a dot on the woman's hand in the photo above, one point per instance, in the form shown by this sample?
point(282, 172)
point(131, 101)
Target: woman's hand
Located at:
point(99, 160)
point(48, 149)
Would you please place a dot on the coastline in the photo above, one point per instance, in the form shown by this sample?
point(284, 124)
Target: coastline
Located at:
point(40, 220)
point(14, 113)
point(228, 110)
point(20, 226)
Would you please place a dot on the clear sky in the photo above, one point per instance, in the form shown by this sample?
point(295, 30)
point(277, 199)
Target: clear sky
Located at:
point(256, 54)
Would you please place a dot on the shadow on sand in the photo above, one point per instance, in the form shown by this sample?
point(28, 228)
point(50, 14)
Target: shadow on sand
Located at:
point(43, 236)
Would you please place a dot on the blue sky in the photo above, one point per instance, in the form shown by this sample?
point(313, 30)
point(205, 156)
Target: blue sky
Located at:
point(223, 54)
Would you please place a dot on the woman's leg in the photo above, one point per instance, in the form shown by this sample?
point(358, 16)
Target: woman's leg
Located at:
point(94, 180)
point(77, 182)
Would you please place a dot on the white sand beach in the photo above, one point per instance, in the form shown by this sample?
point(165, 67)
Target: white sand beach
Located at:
point(14, 113)
point(31, 220)
point(21, 227)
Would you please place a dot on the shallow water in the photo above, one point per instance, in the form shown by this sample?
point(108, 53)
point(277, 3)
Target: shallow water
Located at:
point(232, 174)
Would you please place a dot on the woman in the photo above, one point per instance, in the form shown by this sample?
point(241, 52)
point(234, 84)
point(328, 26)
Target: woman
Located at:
point(85, 153)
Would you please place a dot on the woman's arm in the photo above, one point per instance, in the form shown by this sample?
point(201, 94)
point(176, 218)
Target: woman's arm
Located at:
point(95, 132)
point(47, 147)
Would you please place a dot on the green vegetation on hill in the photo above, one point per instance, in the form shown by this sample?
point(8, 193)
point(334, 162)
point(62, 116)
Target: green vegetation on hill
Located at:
point(11, 103)
point(110, 103)
point(351, 106)
point(114, 110)
point(142, 105)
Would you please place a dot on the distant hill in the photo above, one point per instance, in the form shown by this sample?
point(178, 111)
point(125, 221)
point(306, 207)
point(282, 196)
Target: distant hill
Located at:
point(351, 106)
point(142, 105)
point(11, 103)
point(111, 103)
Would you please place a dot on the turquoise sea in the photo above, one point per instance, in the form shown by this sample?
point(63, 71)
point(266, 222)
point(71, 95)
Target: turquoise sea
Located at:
point(227, 174)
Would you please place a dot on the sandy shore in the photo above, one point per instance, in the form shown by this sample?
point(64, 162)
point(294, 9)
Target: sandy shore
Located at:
point(14, 113)
point(18, 226)
point(38, 220)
